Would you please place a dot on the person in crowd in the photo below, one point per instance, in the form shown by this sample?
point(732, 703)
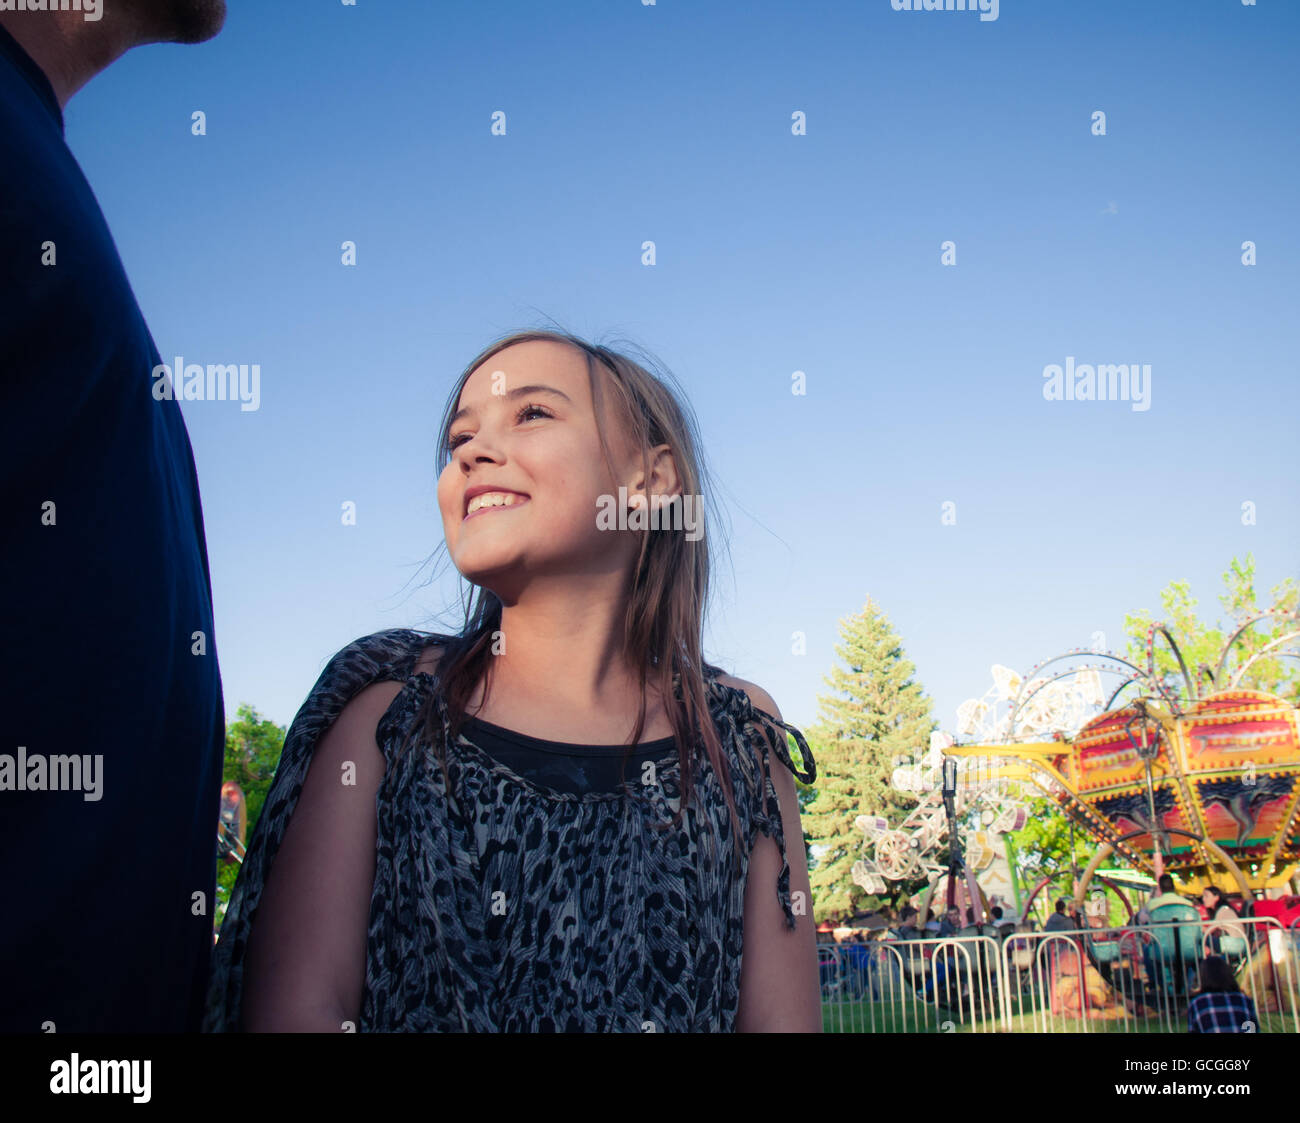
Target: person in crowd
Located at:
point(1165, 896)
point(950, 925)
point(906, 928)
point(1224, 918)
point(1060, 920)
point(1220, 1007)
point(899, 967)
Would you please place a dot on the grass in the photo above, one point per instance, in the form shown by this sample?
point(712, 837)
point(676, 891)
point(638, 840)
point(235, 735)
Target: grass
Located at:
point(866, 1016)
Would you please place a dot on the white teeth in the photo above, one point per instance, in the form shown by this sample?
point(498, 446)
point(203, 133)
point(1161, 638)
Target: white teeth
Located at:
point(493, 499)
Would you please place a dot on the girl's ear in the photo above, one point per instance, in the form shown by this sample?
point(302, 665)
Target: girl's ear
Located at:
point(661, 483)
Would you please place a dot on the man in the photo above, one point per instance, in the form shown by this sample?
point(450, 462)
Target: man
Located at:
point(1152, 956)
point(1166, 896)
point(908, 969)
point(1060, 920)
point(906, 929)
point(111, 730)
point(950, 925)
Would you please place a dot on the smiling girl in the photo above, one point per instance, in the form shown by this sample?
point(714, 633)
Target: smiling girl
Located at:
point(562, 817)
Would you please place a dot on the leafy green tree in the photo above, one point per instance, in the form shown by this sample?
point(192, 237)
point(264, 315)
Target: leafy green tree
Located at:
point(1202, 644)
point(875, 717)
point(253, 748)
point(1043, 847)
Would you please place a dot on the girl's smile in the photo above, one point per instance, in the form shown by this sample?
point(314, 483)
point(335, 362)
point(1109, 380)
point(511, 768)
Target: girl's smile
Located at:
point(487, 501)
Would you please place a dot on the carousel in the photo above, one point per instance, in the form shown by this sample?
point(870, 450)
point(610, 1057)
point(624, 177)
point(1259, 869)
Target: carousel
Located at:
point(1197, 776)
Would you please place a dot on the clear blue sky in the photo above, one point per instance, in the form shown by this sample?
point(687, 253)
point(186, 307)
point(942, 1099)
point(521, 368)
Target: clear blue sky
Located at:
point(776, 253)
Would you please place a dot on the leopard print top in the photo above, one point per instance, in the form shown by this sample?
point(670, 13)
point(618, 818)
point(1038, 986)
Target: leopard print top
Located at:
point(500, 905)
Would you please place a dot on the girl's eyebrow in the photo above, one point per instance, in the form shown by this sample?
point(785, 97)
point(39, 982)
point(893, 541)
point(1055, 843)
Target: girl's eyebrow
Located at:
point(517, 392)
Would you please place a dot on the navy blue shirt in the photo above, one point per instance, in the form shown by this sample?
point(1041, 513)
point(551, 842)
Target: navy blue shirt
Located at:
point(111, 718)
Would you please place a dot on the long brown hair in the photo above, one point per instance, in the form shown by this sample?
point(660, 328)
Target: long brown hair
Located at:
point(669, 584)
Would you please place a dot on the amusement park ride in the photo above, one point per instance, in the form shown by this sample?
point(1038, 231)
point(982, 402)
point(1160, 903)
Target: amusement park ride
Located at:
point(1162, 775)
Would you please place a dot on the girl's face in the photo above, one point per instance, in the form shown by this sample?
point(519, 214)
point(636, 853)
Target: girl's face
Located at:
point(527, 426)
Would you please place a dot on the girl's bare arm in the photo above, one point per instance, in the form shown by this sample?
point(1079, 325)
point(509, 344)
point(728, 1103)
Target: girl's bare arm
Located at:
point(305, 966)
point(780, 989)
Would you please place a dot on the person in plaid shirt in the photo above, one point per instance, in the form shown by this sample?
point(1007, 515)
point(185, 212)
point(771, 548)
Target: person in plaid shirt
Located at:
point(1220, 1007)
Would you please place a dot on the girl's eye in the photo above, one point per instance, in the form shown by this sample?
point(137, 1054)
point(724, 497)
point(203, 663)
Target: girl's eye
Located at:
point(460, 438)
point(531, 409)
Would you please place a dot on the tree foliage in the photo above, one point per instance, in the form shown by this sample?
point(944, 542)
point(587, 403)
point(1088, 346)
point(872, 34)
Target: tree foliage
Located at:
point(875, 717)
point(1201, 643)
point(253, 748)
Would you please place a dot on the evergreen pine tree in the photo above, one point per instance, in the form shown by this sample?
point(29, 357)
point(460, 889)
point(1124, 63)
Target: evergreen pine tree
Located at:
point(875, 719)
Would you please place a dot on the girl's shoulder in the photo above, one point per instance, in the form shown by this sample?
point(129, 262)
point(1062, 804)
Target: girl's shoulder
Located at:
point(395, 653)
point(758, 697)
point(431, 655)
point(753, 711)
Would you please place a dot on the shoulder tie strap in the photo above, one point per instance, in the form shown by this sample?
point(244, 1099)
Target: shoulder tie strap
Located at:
point(740, 711)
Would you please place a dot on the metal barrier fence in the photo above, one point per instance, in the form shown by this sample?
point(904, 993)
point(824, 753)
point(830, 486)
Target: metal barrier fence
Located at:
point(1132, 979)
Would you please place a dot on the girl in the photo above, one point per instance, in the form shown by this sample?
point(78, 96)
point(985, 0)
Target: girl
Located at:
point(462, 833)
point(1225, 922)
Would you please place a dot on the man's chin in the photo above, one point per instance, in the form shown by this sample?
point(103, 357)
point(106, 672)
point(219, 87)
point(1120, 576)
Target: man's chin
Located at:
point(193, 21)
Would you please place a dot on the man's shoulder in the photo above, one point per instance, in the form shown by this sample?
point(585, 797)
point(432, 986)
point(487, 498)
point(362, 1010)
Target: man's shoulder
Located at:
point(1167, 899)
